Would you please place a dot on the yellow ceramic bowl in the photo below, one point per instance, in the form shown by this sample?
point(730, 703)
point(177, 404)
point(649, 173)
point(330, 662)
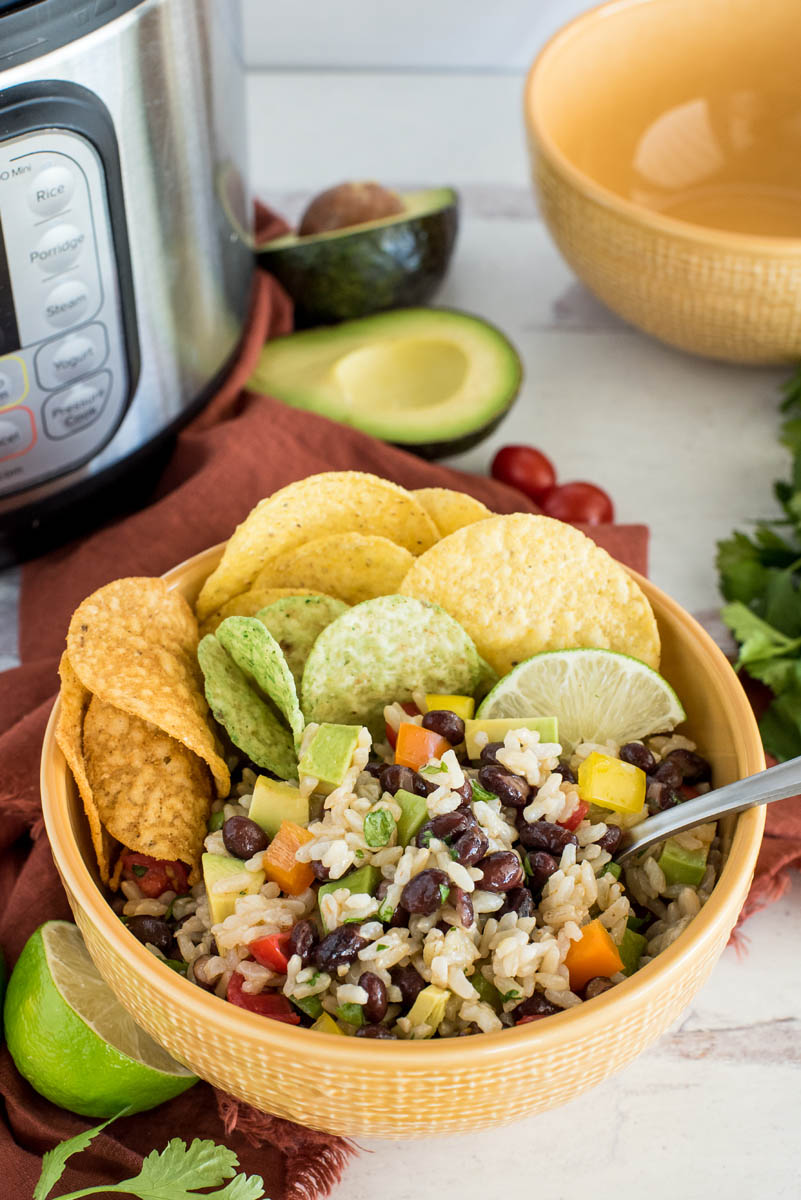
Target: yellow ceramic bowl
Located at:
point(413, 1089)
point(666, 144)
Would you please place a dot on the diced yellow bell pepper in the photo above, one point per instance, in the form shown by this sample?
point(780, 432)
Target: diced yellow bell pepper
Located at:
point(463, 706)
point(327, 1024)
point(611, 783)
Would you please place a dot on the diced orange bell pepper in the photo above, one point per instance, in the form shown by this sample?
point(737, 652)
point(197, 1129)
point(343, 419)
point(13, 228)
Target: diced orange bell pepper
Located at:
point(417, 746)
point(280, 864)
point(592, 955)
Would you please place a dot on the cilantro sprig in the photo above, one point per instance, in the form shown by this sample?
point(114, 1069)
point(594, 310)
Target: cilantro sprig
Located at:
point(760, 577)
point(174, 1173)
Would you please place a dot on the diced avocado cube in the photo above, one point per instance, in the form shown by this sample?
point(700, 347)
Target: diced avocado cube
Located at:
point(631, 950)
point(611, 783)
point(351, 1014)
point(487, 992)
point(329, 754)
point(429, 1008)
point(274, 801)
point(496, 729)
point(682, 866)
point(218, 867)
point(327, 1024)
point(312, 1006)
point(463, 706)
point(414, 812)
point(359, 883)
point(613, 868)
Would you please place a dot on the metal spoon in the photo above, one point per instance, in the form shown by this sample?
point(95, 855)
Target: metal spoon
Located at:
point(777, 783)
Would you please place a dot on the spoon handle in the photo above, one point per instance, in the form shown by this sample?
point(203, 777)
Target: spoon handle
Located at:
point(777, 783)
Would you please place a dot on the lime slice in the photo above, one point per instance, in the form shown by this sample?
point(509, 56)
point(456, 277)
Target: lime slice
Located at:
point(596, 696)
point(72, 1039)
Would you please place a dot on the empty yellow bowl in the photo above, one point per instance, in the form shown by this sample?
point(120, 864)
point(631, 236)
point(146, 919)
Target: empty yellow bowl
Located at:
point(666, 144)
point(413, 1089)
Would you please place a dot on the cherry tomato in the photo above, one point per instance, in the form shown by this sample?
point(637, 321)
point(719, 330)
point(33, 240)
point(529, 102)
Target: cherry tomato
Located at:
point(579, 504)
point(266, 1004)
point(271, 951)
point(526, 469)
point(155, 875)
point(576, 817)
point(392, 734)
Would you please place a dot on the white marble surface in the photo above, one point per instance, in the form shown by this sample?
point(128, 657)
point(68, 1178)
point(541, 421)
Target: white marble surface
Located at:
point(688, 447)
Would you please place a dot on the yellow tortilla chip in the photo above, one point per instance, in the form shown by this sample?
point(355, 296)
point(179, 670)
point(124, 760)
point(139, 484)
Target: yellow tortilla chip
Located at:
point(73, 702)
point(335, 502)
point(348, 566)
point(248, 604)
point(152, 794)
point(451, 510)
point(133, 644)
point(520, 584)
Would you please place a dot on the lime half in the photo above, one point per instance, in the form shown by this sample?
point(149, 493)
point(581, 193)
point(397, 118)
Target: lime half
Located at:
point(72, 1039)
point(596, 695)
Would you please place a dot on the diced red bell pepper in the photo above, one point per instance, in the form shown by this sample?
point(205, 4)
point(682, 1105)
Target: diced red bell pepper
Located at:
point(417, 746)
point(392, 734)
point(688, 792)
point(272, 951)
point(576, 817)
point(266, 1004)
point(155, 875)
point(532, 1017)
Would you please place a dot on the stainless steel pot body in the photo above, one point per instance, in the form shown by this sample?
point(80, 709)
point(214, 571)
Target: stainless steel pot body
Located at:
point(125, 221)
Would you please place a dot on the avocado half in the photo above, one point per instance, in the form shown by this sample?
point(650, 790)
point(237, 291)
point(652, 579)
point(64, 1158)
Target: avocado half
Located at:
point(391, 263)
point(432, 380)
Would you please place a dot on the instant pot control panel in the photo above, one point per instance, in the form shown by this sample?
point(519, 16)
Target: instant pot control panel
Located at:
point(65, 372)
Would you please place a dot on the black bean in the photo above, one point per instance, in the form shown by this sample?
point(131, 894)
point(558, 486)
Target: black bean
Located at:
point(694, 768)
point(375, 1031)
point(463, 906)
point(638, 755)
point(490, 751)
point(535, 1006)
point(395, 778)
point(489, 773)
point(201, 976)
point(659, 796)
point(302, 941)
point(445, 826)
point(518, 900)
point(596, 986)
point(399, 918)
point(118, 903)
point(339, 948)
point(374, 769)
point(471, 846)
point(501, 872)
point(465, 790)
point(611, 839)
point(153, 930)
point(546, 835)
point(567, 773)
point(375, 1007)
point(668, 772)
point(541, 866)
point(510, 789)
point(243, 838)
point(424, 891)
point(382, 889)
point(410, 983)
point(446, 724)
point(321, 872)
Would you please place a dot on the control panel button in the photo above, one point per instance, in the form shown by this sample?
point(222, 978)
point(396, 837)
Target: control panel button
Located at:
point(71, 411)
point(51, 191)
point(67, 303)
point(58, 249)
point(13, 381)
point(17, 432)
point(77, 354)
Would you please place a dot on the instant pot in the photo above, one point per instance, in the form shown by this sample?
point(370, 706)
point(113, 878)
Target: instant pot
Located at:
point(125, 273)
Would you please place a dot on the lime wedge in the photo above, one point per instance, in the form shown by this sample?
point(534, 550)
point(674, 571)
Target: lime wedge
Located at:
point(72, 1039)
point(596, 696)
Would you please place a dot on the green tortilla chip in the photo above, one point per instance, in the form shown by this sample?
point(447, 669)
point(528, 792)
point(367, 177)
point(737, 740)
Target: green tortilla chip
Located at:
point(249, 721)
point(256, 652)
point(296, 622)
point(383, 650)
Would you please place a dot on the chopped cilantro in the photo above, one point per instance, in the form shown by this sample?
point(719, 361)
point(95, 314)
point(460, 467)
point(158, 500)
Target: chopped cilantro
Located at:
point(480, 793)
point(139, 870)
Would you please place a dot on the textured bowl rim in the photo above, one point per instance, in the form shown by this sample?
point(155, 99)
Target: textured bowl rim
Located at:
point(576, 1023)
point(779, 247)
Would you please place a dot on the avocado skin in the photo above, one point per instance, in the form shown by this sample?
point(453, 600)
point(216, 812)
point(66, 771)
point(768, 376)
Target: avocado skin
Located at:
point(398, 265)
point(431, 451)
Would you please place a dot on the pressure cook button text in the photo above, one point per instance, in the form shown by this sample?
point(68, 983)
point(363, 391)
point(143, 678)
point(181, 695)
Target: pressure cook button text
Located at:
point(58, 249)
point(75, 409)
point(51, 191)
